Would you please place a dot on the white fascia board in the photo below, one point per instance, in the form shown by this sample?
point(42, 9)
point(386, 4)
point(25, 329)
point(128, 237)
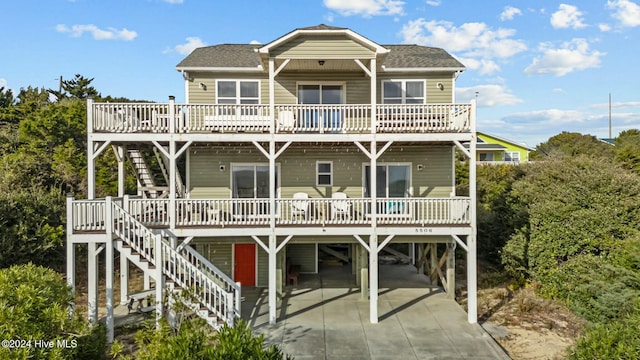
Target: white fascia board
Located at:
point(379, 49)
point(422, 69)
point(258, 68)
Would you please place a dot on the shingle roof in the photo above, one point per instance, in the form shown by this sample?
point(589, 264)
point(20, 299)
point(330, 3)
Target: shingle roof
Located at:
point(225, 55)
point(246, 55)
point(417, 56)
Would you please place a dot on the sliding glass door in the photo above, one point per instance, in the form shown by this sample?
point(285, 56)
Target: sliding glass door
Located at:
point(320, 94)
point(251, 182)
point(392, 181)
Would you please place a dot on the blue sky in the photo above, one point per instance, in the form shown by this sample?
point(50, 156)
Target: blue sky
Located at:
point(538, 67)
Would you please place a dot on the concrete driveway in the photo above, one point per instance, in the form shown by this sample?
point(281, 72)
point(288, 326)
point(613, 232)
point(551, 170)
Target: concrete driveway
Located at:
point(324, 317)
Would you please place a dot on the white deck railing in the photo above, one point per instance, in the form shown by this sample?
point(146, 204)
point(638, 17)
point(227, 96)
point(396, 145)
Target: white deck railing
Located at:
point(287, 118)
point(89, 214)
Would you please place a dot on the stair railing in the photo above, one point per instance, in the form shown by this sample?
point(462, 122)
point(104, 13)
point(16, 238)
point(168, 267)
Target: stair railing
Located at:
point(216, 299)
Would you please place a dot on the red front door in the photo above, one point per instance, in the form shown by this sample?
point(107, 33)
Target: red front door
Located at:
point(245, 264)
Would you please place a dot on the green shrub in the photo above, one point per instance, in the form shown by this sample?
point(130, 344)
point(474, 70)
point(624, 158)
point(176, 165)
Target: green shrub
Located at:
point(573, 206)
point(593, 288)
point(34, 306)
point(238, 343)
point(614, 340)
point(196, 340)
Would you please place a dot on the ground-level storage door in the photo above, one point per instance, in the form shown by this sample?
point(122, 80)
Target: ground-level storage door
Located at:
point(244, 261)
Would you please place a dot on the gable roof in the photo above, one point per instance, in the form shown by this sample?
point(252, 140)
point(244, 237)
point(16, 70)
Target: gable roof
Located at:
point(520, 145)
point(247, 56)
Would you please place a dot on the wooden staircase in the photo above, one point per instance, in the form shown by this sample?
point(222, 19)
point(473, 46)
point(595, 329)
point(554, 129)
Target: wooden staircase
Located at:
point(212, 295)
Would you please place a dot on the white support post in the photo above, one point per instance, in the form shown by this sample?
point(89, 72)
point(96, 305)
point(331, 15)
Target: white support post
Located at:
point(92, 282)
point(91, 170)
point(71, 251)
point(124, 279)
point(373, 279)
point(172, 166)
point(374, 92)
point(159, 262)
point(272, 280)
point(272, 92)
point(273, 286)
point(472, 285)
point(451, 269)
point(120, 156)
point(109, 270)
point(373, 239)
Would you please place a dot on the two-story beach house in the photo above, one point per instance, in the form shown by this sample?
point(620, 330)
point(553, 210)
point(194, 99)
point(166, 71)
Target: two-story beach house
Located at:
point(319, 137)
point(493, 149)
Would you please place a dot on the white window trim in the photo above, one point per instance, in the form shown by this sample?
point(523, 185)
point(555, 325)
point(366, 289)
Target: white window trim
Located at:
point(318, 173)
point(404, 86)
point(231, 165)
point(408, 164)
point(237, 97)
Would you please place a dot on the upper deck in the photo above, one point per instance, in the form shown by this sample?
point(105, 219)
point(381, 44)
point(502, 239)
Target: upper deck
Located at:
point(173, 118)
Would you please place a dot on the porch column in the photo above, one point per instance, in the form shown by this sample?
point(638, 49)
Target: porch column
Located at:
point(472, 286)
point(92, 282)
point(373, 239)
point(109, 282)
point(273, 287)
point(120, 156)
point(71, 250)
point(451, 269)
point(272, 92)
point(172, 165)
point(91, 171)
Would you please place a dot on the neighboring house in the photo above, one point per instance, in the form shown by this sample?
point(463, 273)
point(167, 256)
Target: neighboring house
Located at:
point(319, 137)
point(492, 149)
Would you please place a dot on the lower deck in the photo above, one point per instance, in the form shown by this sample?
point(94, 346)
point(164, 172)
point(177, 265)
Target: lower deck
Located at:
point(325, 317)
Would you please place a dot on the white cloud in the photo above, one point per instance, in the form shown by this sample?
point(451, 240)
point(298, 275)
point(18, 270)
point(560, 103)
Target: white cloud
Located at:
point(567, 16)
point(3, 83)
point(625, 11)
point(191, 44)
point(487, 95)
point(572, 56)
point(174, 1)
point(434, 2)
point(509, 12)
point(484, 66)
point(544, 118)
point(476, 42)
point(255, 42)
point(366, 8)
point(97, 33)
point(604, 27)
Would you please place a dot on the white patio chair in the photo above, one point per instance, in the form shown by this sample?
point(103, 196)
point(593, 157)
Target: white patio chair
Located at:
point(340, 206)
point(286, 120)
point(300, 206)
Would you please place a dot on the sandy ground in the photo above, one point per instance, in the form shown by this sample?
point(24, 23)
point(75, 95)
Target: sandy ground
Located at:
point(526, 326)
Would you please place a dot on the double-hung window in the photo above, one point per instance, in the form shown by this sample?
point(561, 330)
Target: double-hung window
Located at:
point(238, 92)
point(324, 173)
point(512, 156)
point(403, 92)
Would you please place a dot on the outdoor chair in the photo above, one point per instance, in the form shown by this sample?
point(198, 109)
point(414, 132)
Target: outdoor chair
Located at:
point(340, 206)
point(300, 206)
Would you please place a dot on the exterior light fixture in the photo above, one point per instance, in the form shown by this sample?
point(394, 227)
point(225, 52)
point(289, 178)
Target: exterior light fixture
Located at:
point(321, 62)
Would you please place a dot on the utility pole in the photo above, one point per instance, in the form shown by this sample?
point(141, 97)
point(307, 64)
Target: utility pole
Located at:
point(60, 86)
